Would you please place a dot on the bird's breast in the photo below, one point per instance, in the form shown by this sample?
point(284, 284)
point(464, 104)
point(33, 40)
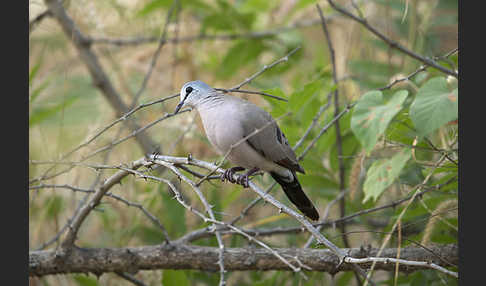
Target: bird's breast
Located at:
point(222, 131)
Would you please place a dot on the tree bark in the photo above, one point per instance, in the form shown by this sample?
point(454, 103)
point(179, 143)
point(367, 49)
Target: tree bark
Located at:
point(182, 256)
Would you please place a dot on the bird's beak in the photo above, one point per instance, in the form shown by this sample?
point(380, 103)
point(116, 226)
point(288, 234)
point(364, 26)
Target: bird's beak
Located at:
point(179, 106)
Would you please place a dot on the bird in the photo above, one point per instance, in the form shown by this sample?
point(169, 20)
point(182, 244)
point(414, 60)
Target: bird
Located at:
point(249, 137)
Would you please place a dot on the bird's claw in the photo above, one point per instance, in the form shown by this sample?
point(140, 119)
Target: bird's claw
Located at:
point(243, 180)
point(228, 175)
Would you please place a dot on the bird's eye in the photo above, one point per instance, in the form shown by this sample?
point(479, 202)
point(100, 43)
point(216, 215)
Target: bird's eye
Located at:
point(188, 90)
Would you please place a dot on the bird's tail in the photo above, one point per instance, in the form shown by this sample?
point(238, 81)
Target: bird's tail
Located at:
point(294, 192)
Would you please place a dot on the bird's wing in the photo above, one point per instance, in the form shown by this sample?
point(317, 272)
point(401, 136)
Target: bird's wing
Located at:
point(270, 141)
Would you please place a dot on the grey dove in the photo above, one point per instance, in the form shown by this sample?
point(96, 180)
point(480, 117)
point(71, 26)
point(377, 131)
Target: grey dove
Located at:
point(227, 120)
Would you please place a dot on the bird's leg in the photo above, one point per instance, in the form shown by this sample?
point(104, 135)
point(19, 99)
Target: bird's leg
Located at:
point(228, 174)
point(243, 179)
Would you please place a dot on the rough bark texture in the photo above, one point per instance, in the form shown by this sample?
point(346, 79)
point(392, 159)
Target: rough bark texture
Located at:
point(181, 256)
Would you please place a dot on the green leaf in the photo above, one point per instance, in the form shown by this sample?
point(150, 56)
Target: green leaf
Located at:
point(42, 113)
point(155, 5)
point(177, 226)
point(279, 107)
point(84, 280)
point(174, 277)
point(33, 73)
point(240, 54)
point(55, 206)
point(227, 18)
point(299, 98)
point(372, 115)
point(383, 173)
point(412, 174)
point(36, 92)
point(434, 106)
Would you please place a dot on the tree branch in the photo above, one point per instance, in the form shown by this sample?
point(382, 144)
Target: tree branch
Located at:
point(98, 75)
point(393, 44)
point(181, 256)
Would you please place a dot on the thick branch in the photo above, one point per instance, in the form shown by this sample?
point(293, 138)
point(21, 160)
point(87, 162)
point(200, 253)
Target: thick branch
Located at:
point(180, 256)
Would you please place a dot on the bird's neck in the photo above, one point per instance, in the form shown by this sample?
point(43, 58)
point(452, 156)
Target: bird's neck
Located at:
point(210, 102)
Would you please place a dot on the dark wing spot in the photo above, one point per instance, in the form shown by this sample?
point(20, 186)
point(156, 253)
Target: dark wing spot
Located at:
point(286, 142)
point(280, 136)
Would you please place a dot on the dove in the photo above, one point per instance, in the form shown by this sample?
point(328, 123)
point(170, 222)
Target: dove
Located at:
point(250, 138)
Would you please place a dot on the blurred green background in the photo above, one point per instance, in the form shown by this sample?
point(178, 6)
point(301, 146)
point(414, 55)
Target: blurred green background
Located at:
point(65, 109)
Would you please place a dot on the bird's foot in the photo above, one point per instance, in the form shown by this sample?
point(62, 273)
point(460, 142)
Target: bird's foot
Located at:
point(228, 174)
point(243, 179)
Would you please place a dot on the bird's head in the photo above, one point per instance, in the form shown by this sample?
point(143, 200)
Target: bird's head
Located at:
point(192, 93)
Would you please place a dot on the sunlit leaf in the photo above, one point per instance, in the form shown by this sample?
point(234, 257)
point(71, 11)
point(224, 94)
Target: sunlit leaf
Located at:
point(383, 173)
point(435, 105)
point(372, 115)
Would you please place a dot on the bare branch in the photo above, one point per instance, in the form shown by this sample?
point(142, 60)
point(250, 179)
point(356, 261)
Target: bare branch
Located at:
point(417, 71)
point(137, 40)
point(162, 41)
point(98, 75)
point(130, 278)
point(158, 159)
point(387, 260)
point(265, 67)
point(393, 44)
point(38, 19)
point(94, 201)
point(252, 92)
point(324, 129)
point(180, 256)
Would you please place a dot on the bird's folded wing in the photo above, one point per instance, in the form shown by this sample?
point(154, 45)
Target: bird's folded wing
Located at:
point(270, 142)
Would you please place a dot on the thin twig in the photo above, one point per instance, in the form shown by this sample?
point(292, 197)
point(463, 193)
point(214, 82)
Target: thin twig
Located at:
point(392, 43)
point(252, 92)
point(265, 67)
point(130, 278)
point(94, 201)
point(324, 129)
point(162, 41)
point(139, 40)
point(164, 160)
point(386, 260)
point(38, 19)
